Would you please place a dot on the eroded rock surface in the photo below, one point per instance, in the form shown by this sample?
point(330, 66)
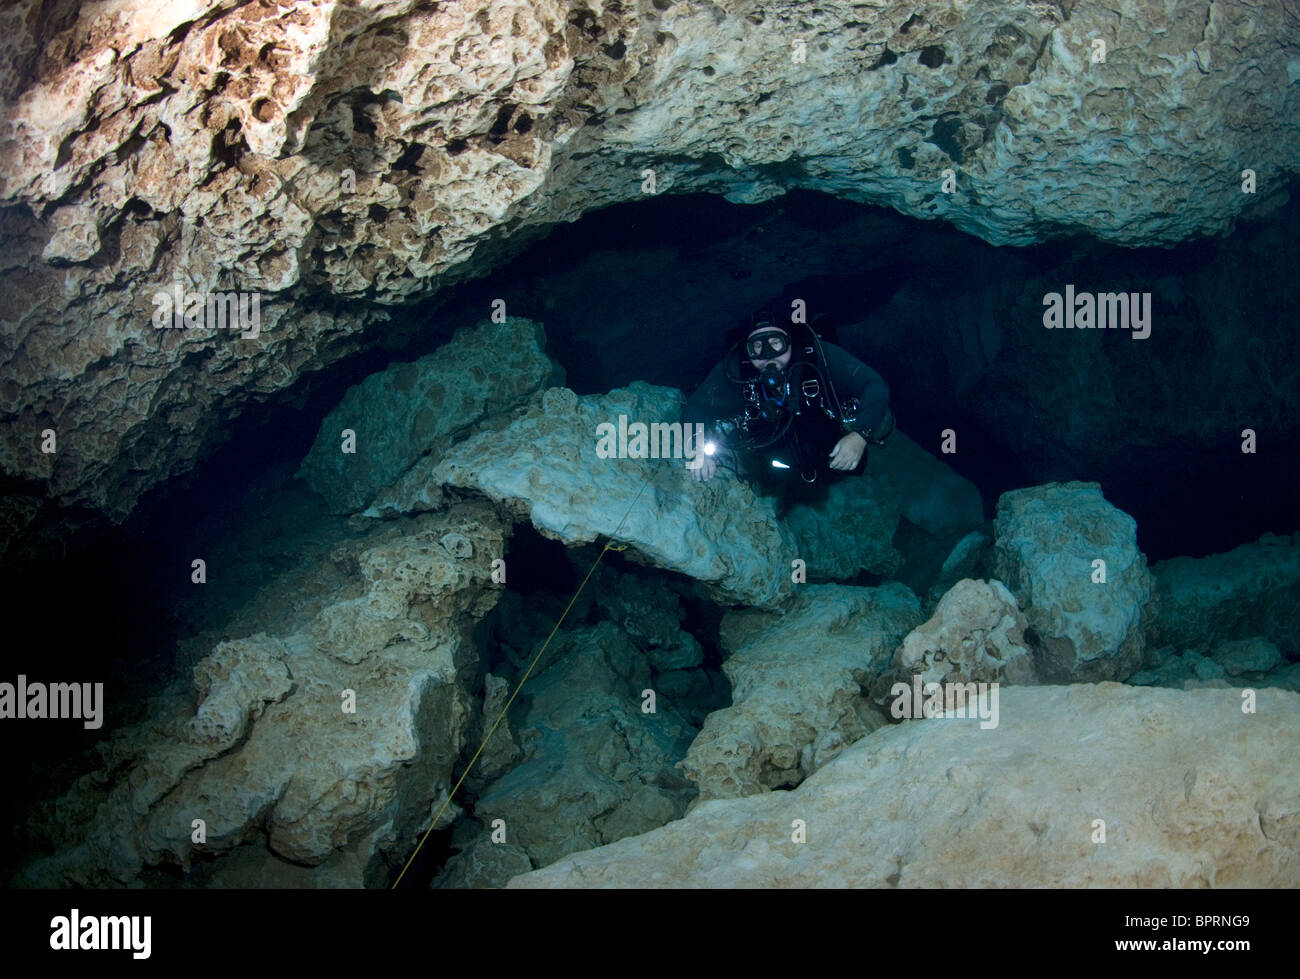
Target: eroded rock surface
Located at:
point(798, 685)
point(1048, 540)
point(415, 409)
point(325, 745)
point(544, 466)
point(369, 152)
point(977, 634)
point(1192, 791)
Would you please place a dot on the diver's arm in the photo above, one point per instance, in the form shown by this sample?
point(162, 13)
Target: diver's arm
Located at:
point(717, 398)
point(714, 400)
point(854, 379)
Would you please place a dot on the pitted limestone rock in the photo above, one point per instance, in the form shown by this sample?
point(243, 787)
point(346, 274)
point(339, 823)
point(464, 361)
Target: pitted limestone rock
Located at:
point(358, 749)
point(1194, 793)
point(544, 466)
point(416, 409)
point(233, 687)
point(1048, 542)
point(976, 635)
point(797, 687)
point(384, 151)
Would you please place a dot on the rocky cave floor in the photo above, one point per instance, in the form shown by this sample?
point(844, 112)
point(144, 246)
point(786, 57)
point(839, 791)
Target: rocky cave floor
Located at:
point(701, 699)
point(382, 174)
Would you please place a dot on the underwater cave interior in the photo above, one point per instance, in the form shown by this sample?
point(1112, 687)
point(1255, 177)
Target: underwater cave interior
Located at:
point(645, 291)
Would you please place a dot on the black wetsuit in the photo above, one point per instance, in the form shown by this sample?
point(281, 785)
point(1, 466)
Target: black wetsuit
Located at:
point(812, 435)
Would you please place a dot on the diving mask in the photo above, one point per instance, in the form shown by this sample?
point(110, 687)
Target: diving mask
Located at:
point(767, 344)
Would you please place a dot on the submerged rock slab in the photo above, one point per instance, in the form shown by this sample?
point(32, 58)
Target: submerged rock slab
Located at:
point(544, 467)
point(1047, 542)
point(798, 684)
point(1252, 590)
point(419, 408)
point(1192, 793)
point(277, 752)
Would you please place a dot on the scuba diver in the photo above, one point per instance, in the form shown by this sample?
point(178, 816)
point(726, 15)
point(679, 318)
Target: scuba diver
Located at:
point(785, 401)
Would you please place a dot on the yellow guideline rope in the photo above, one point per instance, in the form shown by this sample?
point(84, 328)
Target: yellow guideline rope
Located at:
point(609, 546)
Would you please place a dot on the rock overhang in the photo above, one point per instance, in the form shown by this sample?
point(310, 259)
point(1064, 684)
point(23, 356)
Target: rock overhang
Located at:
point(380, 155)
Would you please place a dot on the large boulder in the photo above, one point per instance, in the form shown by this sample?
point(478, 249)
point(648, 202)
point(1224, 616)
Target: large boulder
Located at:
point(976, 635)
point(1077, 786)
point(547, 465)
point(544, 464)
point(415, 409)
point(1048, 540)
point(798, 685)
point(1252, 590)
point(327, 745)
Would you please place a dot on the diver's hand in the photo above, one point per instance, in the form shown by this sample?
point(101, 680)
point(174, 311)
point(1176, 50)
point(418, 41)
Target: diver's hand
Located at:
point(702, 467)
point(848, 451)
